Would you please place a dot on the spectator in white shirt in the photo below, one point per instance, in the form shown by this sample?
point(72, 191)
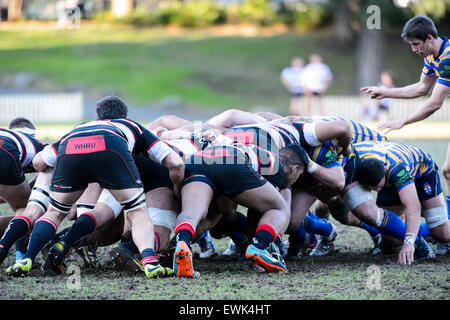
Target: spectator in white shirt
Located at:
point(291, 80)
point(316, 79)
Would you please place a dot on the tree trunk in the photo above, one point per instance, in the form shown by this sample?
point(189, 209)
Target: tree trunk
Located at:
point(120, 8)
point(14, 10)
point(343, 30)
point(370, 52)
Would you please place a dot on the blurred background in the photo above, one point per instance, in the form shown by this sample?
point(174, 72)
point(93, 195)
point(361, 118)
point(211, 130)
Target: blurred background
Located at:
point(195, 58)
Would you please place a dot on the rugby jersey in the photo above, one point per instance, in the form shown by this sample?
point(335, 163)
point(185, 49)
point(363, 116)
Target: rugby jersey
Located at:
point(322, 155)
point(403, 163)
point(26, 143)
point(360, 132)
point(260, 134)
point(439, 66)
point(138, 139)
point(187, 147)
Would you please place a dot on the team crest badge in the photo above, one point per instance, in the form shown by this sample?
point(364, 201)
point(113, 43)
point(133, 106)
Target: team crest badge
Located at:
point(427, 188)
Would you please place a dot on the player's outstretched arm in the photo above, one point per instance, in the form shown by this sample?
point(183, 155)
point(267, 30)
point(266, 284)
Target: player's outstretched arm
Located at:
point(431, 105)
point(415, 90)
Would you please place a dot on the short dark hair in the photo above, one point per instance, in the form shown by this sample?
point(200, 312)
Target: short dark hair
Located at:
point(111, 107)
point(419, 27)
point(20, 122)
point(370, 172)
point(293, 155)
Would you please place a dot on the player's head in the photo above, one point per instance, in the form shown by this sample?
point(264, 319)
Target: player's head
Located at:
point(419, 32)
point(371, 173)
point(20, 122)
point(111, 107)
point(292, 157)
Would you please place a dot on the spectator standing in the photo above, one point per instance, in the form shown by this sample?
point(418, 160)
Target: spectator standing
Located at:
point(291, 80)
point(316, 79)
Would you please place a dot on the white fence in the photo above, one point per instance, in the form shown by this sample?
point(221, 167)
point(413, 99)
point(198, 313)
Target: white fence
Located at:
point(69, 108)
point(42, 108)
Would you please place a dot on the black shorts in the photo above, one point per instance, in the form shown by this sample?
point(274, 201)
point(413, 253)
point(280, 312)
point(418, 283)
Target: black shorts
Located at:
point(11, 172)
point(103, 158)
point(224, 169)
point(428, 186)
point(153, 175)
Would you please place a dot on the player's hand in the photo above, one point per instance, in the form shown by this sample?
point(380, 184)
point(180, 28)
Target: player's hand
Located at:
point(388, 126)
point(374, 92)
point(406, 255)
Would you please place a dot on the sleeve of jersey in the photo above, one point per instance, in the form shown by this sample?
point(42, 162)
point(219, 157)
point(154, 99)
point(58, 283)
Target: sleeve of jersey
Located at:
point(157, 150)
point(324, 156)
point(399, 177)
point(50, 154)
point(444, 71)
point(427, 69)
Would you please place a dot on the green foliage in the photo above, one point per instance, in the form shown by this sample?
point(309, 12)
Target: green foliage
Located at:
point(202, 13)
point(198, 13)
point(435, 9)
point(308, 17)
point(256, 11)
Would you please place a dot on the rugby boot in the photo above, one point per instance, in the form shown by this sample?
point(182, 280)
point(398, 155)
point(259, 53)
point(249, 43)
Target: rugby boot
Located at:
point(442, 248)
point(277, 252)
point(377, 244)
point(56, 257)
point(182, 261)
point(124, 259)
point(264, 259)
point(231, 251)
point(325, 245)
point(423, 250)
point(89, 255)
point(206, 246)
point(21, 268)
point(158, 271)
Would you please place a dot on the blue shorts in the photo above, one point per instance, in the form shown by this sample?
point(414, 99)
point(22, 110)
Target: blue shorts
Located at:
point(428, 186)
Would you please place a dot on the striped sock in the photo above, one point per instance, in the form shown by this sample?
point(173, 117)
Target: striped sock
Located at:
point(371, 230)
point(185, 232)
point(317, 226)
point(43, 232)
point(264, 235)
point(81, 228)
point(148, 256)
point(17, 228)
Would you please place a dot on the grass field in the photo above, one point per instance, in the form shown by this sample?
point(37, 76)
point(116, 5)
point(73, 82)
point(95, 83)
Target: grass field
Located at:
point(222, 66)
point(211, 67)
point(344, 275)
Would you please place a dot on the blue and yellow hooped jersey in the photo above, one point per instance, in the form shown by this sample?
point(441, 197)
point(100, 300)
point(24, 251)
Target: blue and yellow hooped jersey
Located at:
point(322, 155)
point(360, 132)
point(403, 163)
point(439, 66)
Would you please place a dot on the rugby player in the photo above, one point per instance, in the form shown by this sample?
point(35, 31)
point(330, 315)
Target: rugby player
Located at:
point(18, 147)
point(421, 33)
point(208, 175)
point(407, 181)
point(89, 153)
